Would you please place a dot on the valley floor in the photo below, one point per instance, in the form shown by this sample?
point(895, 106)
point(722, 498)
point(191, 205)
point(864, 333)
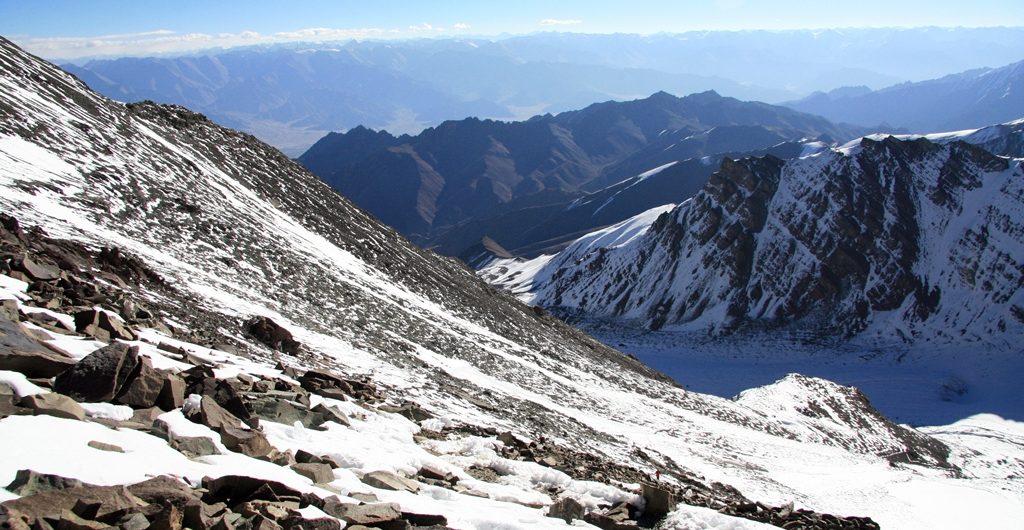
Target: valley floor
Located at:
point(919, 387)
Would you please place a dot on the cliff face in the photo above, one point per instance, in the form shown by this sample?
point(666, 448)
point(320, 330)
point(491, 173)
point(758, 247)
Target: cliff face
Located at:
point(899, 237)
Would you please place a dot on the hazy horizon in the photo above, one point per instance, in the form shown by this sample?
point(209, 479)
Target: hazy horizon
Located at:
point(117, 28)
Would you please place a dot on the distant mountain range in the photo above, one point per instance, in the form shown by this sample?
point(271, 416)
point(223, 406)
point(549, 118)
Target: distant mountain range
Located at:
point(443, 186)
point(291, 95)
point(960, 101)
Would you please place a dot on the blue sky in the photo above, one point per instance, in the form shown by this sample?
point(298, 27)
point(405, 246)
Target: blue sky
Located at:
point(69, 28)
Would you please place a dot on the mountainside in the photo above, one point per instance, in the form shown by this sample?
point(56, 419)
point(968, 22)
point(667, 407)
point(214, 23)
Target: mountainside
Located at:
point(905, 240)
point(546, 223)
point(144, 245)
point(458, 171)
point(960, 101)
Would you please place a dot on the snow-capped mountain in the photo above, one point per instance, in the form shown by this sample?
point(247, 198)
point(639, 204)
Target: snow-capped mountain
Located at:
point(969, 99)
point(901, 239)
point(150, 227)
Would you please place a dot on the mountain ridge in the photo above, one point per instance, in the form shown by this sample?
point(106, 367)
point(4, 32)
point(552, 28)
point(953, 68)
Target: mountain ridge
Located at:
point(970, 99)
point(462, 170)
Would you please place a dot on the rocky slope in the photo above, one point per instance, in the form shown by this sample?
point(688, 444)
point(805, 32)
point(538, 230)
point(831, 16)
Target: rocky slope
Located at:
point(181, 300)
point(908, 240)
point(461, 171)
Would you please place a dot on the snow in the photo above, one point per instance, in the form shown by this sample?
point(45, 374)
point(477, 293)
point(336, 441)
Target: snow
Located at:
point(108, 411)
point(651, 172)
point(698, 518)
point(20, 384)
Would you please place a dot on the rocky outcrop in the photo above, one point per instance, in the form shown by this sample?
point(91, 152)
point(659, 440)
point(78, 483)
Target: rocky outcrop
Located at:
point(912, 239)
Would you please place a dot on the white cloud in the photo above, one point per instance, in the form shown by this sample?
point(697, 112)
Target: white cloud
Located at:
point(461, 26)
point(425, 27)
point(169, 42)
point(560, 22)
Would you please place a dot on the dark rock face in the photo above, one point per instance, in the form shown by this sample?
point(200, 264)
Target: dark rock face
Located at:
point(821, 246)
point(100, 375)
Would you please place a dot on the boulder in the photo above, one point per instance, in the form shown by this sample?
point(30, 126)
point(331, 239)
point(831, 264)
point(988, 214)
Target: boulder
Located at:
point(389, 481)
point(326, 414)
point(283, 411)
point(200, 380)
point(410, 410)
point(305, 457)
point(172, 393)
point(143, 386)
point(100, 375)
point(377, 514)
point(318, 473)
point(105, 446)
point(567, 509)
point(20, 352)
point(194, 446)
point(296, 520)
point(53, 404)
point(35, 270)
point(168, 491)
point(425, 519)
point(273, 335)
point(658, 501)
point(248, 442)
point(214, 416)
point(28, 482)
point(235, 489)
point(9, 309)
point(432, 473)
point(102, 326)
point(102, 500)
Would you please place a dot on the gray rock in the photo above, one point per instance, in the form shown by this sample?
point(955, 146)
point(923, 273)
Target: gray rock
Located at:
point(305, 457)
point(35, 270)
point(20, 352)
point(28, 482)
point(9, 309)
point(143, 386)
point(146, 417)
point(105, 446)
point(172, 394)
point(248, 442)
point(327, 414)
point(54, 504)
point(282, 411)
point(99, 324)
point(567, 509)
point(100, 375)
point(215, 416)
point(390, 481)
point(194, 446)
point(363, 514)
point(54, 404)
point(318, 473)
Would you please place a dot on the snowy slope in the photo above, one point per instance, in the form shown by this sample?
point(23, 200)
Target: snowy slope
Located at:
point(235, 229)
